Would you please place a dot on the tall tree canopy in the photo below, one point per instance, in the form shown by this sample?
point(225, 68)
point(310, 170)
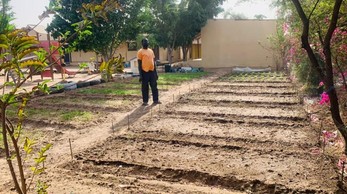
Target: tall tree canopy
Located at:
point(176, 24)
point(106, 35)
point(5, 16)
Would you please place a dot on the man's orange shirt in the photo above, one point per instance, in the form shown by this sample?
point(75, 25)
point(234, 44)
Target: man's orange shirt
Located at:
point(147, 58)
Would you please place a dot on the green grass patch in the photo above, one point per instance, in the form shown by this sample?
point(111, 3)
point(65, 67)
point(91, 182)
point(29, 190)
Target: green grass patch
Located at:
point(176, 78)
point(91, 101)
point(118, 85)
point(60, 115)
point(77, 115)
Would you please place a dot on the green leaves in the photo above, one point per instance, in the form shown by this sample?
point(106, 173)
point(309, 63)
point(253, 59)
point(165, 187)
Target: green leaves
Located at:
point(113, 65)
point(43, 87)
point(42, 154)
point(38, 168)
point(28, 145)
point(41, 187)
point(111, 22)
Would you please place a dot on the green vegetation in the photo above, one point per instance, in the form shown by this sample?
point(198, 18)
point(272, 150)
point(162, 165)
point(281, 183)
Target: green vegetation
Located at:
point(176, 78)
point(60, 115)
point(166, 18)
point(77, 115)
point(118, 85)
point(107, 32)
point(15, 45)
point(134, 88)
point(78, 101)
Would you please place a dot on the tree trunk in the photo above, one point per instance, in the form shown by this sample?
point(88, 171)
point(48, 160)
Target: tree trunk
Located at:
point(185, 52)
point(7, 149)
point(328, 77)
point(169, 54)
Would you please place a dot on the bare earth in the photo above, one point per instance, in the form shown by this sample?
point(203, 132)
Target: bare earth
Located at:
point(208, 136)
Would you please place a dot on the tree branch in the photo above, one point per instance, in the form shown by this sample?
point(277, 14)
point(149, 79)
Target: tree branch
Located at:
point(309, 16)
point(304, 38)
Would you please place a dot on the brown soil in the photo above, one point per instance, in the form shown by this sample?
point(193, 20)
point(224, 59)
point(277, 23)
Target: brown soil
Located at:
point(208, 136)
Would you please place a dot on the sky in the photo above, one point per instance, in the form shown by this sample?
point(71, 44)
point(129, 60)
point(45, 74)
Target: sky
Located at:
point(27, 11)
point(249, 9)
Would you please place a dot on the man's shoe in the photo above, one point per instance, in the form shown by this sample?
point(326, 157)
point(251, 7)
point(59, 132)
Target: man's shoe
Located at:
point(156, 102)
point(145, 104)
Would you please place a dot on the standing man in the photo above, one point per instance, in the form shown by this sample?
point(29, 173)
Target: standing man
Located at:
point(148, 72)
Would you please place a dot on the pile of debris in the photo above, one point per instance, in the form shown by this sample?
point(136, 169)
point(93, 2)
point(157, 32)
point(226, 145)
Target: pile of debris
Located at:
point(181, 67)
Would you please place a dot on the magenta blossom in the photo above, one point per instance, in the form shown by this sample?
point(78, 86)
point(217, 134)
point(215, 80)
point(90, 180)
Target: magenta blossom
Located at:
point(321, 84)
point(341, 165)
point(324, 98)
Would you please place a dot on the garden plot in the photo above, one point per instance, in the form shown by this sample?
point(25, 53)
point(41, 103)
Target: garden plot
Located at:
point(86, 102)
point(83, 107)
point(251, 84)
point(246, 98)
point(222, 141)
point(86, 116)
point(224, 167)
point(250, 90)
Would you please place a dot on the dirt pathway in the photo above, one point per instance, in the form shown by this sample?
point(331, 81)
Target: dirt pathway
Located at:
point(208, 136)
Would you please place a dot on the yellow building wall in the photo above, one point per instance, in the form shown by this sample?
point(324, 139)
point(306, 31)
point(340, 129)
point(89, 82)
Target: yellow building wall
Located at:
point(123, 50)
point(175, 55)
point(241, 43)
point(80, 56)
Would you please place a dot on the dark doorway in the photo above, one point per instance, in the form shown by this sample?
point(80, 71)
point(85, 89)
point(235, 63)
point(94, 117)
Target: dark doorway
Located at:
point(67, 58)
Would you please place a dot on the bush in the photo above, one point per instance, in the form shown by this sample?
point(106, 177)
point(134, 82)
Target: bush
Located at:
point(307, 76)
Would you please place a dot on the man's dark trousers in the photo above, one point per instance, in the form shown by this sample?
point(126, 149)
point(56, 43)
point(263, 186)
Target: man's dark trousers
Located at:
point(150, 78)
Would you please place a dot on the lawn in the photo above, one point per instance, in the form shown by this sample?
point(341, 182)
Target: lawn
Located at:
point(176, 78)
point(134, 87)
point(58, 115)
point(79, 101)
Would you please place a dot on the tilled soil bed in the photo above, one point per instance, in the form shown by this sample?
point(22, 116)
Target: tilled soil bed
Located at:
point(217, 140)
point(217, 135)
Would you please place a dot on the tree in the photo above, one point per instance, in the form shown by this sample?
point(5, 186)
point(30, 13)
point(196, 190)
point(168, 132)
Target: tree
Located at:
point(5, 16)
point(15, 45)
point(106, 35)
point(165, 24)
point(176, 24)
point(325, 72)
point(193, 15)
point(229, 14)
point(259, 16)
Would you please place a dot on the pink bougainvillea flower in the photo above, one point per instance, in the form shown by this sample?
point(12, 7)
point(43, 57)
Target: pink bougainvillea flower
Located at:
point(314, 118)
point(342, 163)
point(321, 84)
point(329, 135)
point(324, 98)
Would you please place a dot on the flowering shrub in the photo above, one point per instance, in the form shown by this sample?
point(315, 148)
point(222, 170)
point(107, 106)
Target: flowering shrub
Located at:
point(324, 98)
point(341, 165)
point(321, 84)
point(329, 137)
